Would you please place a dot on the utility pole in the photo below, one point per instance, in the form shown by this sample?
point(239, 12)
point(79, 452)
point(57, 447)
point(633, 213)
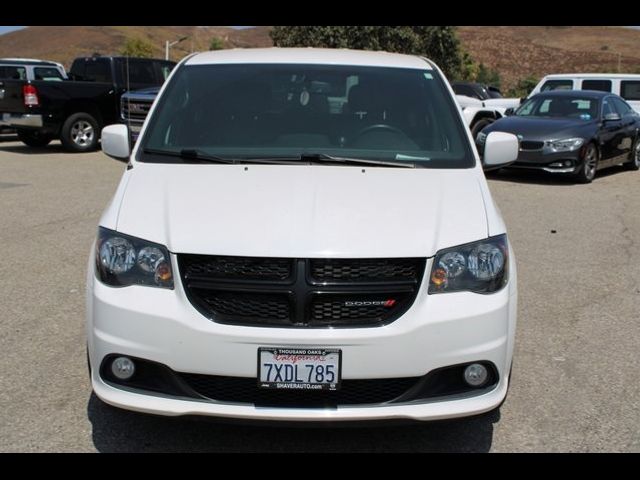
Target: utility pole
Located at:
point(619, 58)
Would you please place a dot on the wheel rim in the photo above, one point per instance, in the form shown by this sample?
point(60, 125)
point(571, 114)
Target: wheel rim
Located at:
point(590, 163)
point(636, 154)
point(82, 133)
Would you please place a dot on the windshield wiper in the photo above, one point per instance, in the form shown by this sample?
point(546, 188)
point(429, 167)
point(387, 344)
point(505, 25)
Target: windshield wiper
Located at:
point(191, 155)
point(325, 158)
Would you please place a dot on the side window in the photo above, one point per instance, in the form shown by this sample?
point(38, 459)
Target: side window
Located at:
point(544, 107)
point(141, 74)
point(465, 90)
point(557, 85)
point(600, 85)
point(13, 73)
point(97, 71)
point(164, 70)
point(607, 107)
point(630, 89)
point(621, 107)
point(47, 73)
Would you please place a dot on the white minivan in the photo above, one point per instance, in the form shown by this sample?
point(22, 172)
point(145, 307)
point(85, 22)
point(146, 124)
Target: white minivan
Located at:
point(623, 84)
point(303, 235)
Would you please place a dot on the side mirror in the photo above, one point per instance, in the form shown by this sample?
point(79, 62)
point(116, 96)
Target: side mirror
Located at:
point(115, 142)
point(509, 111)
point(500, 149)
point(612, 117)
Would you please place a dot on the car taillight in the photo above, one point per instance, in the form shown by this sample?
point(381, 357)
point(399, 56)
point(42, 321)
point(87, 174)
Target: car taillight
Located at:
point(30, 94)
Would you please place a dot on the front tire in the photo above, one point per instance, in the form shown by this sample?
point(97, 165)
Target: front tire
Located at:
point(477, 127)
point(634, 162)
point(80, 133)
point(34, 138)
point(587, 171)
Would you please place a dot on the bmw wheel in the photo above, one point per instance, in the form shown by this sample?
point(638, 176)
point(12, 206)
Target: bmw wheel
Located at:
point(634, 162)
point(587, 171)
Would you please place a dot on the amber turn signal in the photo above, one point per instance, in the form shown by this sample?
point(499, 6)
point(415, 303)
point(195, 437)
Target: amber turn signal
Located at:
point(439, 277)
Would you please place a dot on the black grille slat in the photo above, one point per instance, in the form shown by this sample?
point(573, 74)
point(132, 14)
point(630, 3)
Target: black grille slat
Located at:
point(250, 306)
point(337, 310)
point(240, 268)
point(531, 145)
point(259, 291)
point(245, 390)
point(366, 270)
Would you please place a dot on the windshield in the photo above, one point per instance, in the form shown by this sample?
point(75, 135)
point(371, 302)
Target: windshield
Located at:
point(559, 107)
point(291, 111)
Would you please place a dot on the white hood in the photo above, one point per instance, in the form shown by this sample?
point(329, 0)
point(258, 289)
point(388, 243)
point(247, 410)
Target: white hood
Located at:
point(302, 211)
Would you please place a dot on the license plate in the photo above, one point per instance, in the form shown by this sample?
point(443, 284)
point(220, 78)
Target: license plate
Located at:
point(299, 368)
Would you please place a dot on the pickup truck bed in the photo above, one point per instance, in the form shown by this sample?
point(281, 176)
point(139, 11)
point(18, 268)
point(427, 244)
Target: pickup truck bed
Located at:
point(75, 111)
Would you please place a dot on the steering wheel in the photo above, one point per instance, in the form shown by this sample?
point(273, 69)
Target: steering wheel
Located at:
point(379, 126)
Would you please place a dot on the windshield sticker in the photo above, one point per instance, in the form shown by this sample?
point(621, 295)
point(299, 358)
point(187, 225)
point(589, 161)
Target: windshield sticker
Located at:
point(428, 76)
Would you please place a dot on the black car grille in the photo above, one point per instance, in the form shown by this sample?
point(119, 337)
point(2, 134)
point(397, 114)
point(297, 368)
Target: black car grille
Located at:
point(301, 292)
point(135, 109)
point(530, 145)
point(245, 390)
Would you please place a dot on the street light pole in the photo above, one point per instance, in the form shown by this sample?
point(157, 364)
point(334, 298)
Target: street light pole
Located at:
point(169, 44)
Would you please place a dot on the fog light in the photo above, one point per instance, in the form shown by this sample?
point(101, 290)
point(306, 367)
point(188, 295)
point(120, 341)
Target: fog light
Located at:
point(123, 368)
point(568, 163)
point(475, 375)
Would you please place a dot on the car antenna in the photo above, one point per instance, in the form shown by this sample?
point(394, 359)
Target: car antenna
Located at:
point(128, 101)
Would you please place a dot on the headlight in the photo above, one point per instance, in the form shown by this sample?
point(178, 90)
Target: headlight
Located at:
point(122, 260)
point(481, 138)
point(480, 267)
point(564, 145)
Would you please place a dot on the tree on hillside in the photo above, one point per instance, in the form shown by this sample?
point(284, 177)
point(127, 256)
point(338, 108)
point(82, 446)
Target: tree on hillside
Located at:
point(440, 44)
point(137, 47)
point(523, 87)
point(488, 76)
point(216, 44)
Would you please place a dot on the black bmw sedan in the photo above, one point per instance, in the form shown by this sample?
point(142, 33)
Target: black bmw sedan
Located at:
point(573, 132)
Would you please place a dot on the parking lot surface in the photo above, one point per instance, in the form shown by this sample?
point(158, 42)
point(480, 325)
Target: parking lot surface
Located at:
point(575, 383)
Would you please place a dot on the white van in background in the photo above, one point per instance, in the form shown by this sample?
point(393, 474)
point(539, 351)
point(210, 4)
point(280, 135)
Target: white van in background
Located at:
point(625, 85)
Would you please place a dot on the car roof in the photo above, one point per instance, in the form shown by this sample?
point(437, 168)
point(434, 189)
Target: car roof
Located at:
point(575, 93)
point(27, 61)
point(309, 56)
point(603, 76)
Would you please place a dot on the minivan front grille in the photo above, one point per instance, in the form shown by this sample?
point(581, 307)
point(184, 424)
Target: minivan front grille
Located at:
point(261, 291)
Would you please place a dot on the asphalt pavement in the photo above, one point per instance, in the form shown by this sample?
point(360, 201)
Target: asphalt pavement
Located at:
point(576, 378)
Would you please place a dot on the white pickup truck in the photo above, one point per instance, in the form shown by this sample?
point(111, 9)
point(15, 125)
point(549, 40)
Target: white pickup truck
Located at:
point(480, 113)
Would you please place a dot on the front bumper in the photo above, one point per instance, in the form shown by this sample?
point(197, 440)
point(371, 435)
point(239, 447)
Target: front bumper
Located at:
point(437, 331)
point(21, 120)
point(563, 162)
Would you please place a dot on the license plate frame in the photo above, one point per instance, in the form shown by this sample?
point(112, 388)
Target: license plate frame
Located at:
point(293, 378)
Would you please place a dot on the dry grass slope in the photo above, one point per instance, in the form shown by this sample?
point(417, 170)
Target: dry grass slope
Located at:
point(63, 44)
point(516, 52)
